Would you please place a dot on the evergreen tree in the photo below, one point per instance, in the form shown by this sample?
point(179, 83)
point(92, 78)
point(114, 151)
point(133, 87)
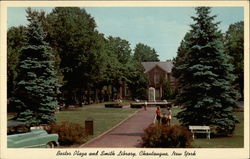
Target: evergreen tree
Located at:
point(204, 76)
point(37, 87)
point(180, 58)
point(234, 46)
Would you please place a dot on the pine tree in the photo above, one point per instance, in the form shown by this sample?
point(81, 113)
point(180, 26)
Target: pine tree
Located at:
point(234, 46)
point(181, 52)
point(204, 76)
point(37, 87)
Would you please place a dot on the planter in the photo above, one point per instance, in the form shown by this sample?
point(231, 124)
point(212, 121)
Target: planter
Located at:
point(136, 105)
point(113, 105)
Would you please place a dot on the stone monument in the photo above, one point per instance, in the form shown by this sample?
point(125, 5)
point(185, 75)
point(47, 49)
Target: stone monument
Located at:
point(151, 94)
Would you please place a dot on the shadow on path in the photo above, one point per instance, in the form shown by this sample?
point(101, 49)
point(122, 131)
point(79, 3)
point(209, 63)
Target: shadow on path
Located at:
point(129, 134)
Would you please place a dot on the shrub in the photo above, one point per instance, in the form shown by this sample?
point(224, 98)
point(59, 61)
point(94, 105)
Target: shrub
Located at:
point(167, 137)
point(222, 131)
point(69, 133)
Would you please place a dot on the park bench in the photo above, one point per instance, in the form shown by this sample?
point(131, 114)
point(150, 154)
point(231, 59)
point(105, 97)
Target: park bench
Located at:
point(200, 129)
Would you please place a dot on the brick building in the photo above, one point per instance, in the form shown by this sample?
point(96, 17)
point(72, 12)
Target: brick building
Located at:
point(156, 72)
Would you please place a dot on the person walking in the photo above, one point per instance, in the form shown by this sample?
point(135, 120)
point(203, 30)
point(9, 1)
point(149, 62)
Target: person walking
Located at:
point(145, 105)
point(168, 115)
point(158, 115)
point(164, 117)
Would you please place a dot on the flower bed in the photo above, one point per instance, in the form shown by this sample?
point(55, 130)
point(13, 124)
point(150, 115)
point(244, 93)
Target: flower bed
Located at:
point(134, 105)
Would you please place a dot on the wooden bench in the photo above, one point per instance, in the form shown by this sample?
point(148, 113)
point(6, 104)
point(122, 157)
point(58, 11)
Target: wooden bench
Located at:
point(200, 129)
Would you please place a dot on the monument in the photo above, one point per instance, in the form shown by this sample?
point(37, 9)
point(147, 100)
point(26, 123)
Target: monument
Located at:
point(151, 94)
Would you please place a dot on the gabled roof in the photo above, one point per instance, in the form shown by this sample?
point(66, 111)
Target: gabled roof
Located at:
point(166, 65)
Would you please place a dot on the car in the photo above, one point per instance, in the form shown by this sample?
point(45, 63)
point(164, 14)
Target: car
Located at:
point(21, 135)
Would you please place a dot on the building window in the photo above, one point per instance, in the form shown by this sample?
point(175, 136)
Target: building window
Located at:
point(156, 77)
point(169, 77)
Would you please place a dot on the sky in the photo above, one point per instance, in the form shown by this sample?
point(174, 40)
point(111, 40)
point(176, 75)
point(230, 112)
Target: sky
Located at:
point(161, 28)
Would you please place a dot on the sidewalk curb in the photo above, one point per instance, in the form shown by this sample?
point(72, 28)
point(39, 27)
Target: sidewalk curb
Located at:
point(106, 132)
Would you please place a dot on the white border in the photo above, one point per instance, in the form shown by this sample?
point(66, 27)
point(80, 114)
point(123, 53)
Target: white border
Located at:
point(204, 153)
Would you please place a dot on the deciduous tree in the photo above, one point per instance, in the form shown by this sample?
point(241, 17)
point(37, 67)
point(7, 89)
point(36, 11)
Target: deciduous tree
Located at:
point(144, 53)
point(137, 80)
point(72, 34)
point(15, 40)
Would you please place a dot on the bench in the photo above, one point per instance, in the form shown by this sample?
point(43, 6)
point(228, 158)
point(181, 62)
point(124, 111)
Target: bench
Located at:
point(200, 129)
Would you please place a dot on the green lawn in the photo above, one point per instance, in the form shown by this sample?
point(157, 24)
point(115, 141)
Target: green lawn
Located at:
point(124, 102)
point(10, 116)
point(174, 120)
point(235, 141)
point(104, 118)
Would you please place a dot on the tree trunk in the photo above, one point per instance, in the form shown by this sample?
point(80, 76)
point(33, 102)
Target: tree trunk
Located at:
point(112, 92)
point(96, 96)
point(88, 97)
point(118, 95)
point(80, 96)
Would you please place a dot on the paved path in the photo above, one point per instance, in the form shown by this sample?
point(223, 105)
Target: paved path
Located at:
point(128, 134)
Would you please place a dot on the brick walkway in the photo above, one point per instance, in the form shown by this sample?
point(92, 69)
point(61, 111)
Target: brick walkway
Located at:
point(128, 134)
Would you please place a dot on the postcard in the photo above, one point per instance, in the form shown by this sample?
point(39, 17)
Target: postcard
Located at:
point(124, 79)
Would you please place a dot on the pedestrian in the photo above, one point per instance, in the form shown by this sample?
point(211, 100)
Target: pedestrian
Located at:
point(164, 117)
point(145, 105)
point(158, 115)
point(168, 115)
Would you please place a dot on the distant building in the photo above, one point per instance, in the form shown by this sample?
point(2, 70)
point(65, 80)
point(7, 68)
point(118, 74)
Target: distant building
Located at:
point(156, 72)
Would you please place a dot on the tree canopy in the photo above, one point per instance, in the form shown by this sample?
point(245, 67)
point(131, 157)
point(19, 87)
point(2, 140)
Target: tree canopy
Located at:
point(144, 53)
point(15, 41)
point(87, 65)
point(234, 47)
point(204, 76)
point(37, 87)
